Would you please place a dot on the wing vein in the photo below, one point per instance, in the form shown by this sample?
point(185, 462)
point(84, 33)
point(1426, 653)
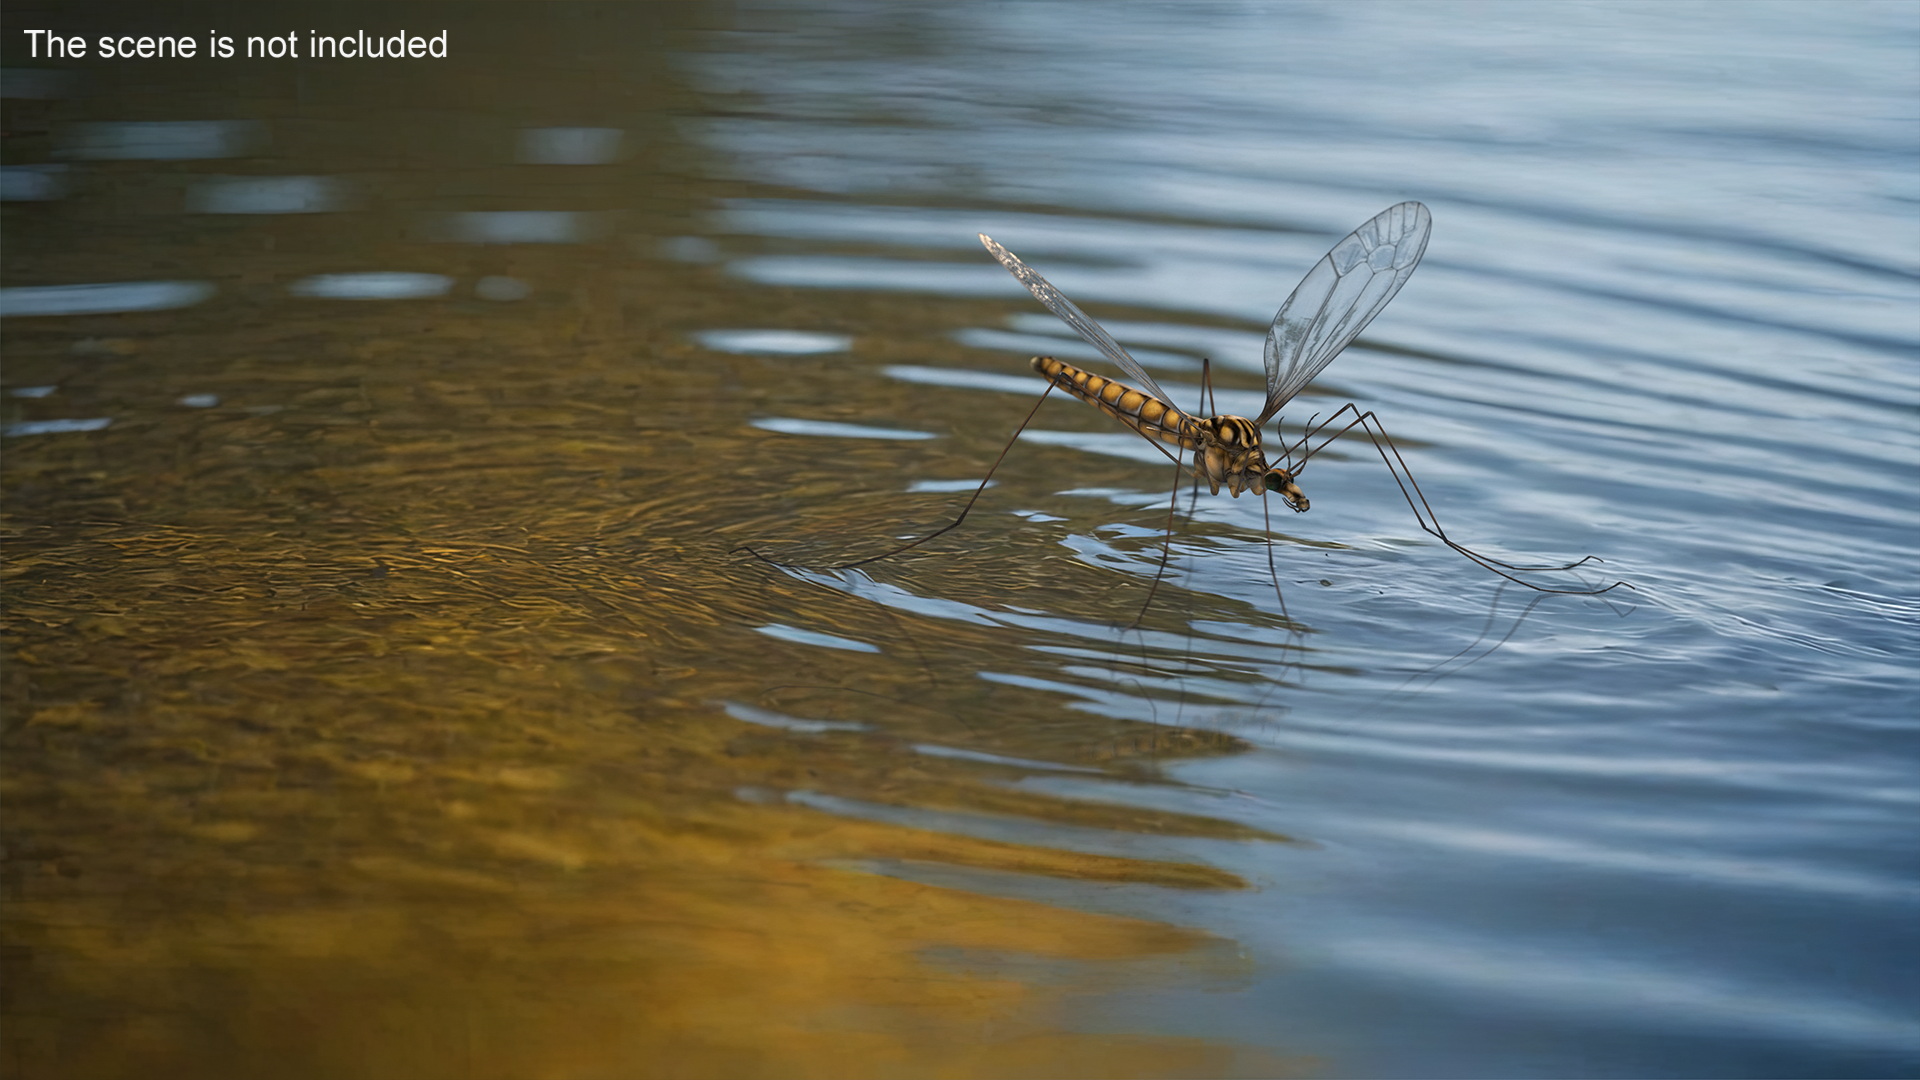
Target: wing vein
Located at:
point(1091, 332)
point(1335, 304)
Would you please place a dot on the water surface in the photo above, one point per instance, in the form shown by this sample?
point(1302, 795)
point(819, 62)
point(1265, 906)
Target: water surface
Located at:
point(385, 693)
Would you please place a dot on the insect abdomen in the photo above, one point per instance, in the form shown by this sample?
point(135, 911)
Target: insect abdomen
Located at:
point(1140, 411)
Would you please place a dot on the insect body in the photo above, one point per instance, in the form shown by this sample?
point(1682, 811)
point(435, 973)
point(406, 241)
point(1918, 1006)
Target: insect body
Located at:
point(1226, 449)
point(1333, 303)
point(1343, 292)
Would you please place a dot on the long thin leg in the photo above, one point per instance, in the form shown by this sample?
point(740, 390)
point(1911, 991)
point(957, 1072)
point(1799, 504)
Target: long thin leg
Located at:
point(1173, 500)
point(1370, 425)
point(1273, 569)
point(1423, 513)
point(1166, 545)
point(954, 524)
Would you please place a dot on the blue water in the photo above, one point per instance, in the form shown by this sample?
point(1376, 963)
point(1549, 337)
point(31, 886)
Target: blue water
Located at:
point(1670, 315)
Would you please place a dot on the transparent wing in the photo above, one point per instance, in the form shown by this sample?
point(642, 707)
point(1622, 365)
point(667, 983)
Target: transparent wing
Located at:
point(1340, 296)
point(1074, 317)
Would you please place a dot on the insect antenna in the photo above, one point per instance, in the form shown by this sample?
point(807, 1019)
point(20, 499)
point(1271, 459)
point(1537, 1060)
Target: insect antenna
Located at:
point(1287, 450)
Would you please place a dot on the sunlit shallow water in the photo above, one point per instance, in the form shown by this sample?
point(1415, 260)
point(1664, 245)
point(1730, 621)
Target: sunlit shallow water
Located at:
point(384, 693)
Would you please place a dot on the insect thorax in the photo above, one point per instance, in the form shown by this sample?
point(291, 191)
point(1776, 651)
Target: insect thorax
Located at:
point(1229, 453)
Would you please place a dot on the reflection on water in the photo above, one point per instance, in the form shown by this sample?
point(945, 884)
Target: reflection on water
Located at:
point(102, 299)
point(383, 696)
point(796, 425)
point(32, 183)
point(519, 227)
point(49, 427)
point(163, 140)
point(266, 195)
point(794, 342)
point(572, 145)
point(372, 285)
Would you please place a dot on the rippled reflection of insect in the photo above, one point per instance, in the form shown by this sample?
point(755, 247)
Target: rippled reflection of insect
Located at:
point(1335, 301)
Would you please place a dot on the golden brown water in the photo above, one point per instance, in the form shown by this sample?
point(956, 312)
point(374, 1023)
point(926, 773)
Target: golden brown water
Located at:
point(374, 735)
point(370, 722)
point(380, 694)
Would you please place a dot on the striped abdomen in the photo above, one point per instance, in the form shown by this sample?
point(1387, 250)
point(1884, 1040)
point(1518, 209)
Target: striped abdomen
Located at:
point(1140, 411)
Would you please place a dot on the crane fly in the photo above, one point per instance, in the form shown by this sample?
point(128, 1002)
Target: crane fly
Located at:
point(1343, 292)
